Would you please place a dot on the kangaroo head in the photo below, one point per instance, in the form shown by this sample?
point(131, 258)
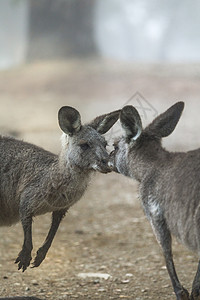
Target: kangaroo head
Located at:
point(83, 146)
point(140, 146)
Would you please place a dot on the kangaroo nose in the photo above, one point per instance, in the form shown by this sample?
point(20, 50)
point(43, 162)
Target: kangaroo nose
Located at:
point(110, 164)
point(104, 166)
point(104, 161)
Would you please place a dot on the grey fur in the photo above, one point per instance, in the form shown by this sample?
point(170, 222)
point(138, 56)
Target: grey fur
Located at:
point(35, 181)
point(169, 184)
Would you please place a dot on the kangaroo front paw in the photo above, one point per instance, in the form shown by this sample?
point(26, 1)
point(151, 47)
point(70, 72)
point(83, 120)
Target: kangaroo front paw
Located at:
point(23, 260)
point(195, 295)
point(182, 294)
point(40, 256)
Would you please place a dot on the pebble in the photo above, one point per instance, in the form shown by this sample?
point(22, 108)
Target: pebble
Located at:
point(17, 284)
point(76, 244)
point(128, 264)
point(101, 290)
point(102, 268)
point(34, 282)
point(125, 281)
point(66, 293)
point(166, 286)
point(129, 275)
point(96, 281)
point(97, 275)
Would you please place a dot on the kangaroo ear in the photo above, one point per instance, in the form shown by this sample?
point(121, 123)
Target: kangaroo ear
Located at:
point(103, 123)
point(165, 123)
point(131, 122)
point(69, 120)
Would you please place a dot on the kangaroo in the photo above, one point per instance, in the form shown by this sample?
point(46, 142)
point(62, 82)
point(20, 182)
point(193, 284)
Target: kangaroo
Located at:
point(169, 185)
point(35, 181)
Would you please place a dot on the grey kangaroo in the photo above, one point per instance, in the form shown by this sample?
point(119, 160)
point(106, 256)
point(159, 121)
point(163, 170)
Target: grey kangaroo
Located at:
point(35, 181)
point(169, 184)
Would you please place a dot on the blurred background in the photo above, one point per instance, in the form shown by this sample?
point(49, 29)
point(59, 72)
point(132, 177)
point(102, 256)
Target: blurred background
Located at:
point(97, 56)
point(131, 30)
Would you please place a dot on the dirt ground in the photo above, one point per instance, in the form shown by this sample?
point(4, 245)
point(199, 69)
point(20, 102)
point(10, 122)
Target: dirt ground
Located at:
point(106, 232)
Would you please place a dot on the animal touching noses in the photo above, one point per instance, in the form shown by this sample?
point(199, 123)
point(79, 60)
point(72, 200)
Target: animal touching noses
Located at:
point(104, 162)
point(105, 168)
point(111, 165)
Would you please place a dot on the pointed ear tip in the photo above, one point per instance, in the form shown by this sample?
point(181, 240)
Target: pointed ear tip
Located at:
point(66, 111)
point(129, 110)
point(181, 105)
point(127, 107)
point(63, 109)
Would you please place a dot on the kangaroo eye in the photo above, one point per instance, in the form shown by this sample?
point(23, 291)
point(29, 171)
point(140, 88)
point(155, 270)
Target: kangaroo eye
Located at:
point(85, 146)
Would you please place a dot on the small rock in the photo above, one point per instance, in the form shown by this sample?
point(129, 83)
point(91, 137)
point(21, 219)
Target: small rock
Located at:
point(125, 281)
point(76, 244)
point(34, 282)
point(66, 293)
point(96, 281)
point(101, 290)
point(17, 284)
point(129, 275)
point(128, 264)
point(97, 275)
point(5, 277)
point(102, 268)
point(27, 289)
point(166, 286)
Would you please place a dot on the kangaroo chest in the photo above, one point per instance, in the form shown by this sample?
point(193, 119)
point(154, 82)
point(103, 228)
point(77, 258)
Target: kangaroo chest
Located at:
point(62, 196)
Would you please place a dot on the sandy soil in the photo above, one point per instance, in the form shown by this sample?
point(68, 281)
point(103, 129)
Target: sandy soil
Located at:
point(106, 232)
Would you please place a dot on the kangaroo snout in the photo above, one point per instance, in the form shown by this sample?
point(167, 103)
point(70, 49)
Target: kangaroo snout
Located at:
point(104, 166)
point(111, 162)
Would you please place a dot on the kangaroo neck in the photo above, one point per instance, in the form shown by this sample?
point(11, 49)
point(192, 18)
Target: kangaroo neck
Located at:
point(64, 184)
point(150, 164)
